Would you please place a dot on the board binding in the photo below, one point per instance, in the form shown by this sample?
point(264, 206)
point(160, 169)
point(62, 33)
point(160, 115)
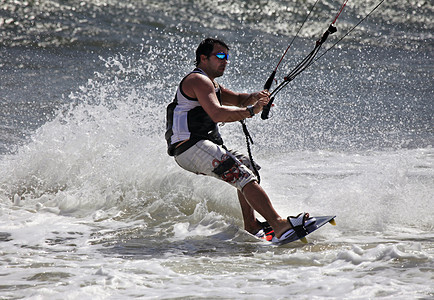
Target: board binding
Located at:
point(319, 222)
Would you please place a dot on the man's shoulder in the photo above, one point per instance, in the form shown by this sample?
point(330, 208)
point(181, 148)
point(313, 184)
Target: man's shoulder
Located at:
point(197, 79)
point(197, 76)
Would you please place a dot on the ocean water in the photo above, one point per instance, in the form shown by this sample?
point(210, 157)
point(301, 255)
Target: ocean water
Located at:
point(91, 206)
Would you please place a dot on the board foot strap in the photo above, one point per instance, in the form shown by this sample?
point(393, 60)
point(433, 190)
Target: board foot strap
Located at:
point(297, 224)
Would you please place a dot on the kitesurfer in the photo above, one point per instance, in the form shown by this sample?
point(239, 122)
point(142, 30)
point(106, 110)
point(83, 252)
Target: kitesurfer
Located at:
point(194, 140)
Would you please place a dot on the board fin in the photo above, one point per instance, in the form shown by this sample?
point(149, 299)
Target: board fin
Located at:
point(333, 222)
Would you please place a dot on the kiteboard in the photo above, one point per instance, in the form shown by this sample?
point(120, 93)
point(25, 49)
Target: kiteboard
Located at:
point(301, 234)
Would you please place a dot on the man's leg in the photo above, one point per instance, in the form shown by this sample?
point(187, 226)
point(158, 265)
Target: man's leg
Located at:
point(258, 200)
point(250, 224)
point(210, 159)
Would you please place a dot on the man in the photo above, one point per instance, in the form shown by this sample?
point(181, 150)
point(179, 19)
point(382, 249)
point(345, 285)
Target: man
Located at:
point(194, 140)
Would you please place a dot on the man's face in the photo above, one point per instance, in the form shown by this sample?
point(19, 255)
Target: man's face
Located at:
point(217, 65)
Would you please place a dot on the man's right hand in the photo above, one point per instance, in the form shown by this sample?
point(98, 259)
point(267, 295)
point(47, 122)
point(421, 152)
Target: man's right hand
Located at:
point(262, 99)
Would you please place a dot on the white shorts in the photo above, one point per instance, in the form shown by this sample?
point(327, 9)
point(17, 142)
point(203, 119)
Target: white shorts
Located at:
point(208, 158)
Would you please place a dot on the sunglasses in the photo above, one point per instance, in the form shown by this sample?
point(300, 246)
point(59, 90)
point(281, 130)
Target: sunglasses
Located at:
point(222, 56)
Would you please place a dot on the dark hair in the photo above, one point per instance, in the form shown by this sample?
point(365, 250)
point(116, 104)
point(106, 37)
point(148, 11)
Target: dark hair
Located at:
point(206, 47)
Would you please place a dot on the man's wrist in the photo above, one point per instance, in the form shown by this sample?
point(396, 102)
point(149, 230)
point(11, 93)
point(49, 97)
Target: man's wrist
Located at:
point(249, 108)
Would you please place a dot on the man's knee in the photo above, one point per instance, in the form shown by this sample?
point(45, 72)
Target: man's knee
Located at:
point(251, 185)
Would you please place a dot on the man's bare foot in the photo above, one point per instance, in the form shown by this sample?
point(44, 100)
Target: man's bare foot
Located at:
point(283, 227)
point(253, 227)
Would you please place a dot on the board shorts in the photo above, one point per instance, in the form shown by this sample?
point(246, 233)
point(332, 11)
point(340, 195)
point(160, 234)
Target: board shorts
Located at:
point(208, 158)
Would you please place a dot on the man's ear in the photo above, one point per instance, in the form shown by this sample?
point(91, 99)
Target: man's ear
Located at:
point(202, 57)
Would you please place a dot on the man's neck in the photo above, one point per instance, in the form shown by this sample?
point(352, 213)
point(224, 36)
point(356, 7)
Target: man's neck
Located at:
point(206, 72)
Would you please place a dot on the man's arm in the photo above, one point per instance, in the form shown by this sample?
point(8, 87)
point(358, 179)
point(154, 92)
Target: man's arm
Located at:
point(201, 87)
point(238, 99)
